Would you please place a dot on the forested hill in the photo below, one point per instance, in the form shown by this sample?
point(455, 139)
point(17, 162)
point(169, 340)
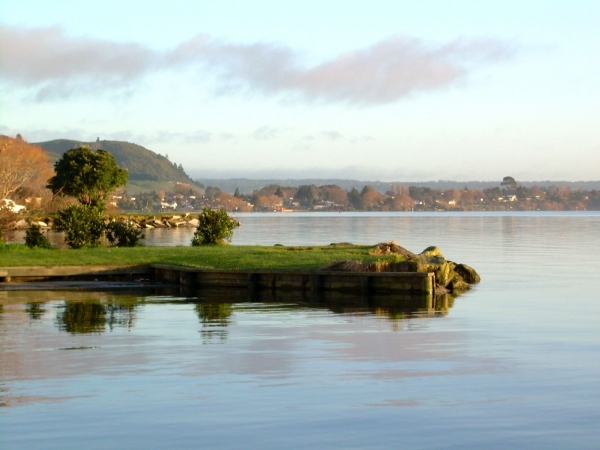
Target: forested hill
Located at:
point(143, 164)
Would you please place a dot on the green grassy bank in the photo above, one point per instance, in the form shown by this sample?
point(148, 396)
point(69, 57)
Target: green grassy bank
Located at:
point(213, 257)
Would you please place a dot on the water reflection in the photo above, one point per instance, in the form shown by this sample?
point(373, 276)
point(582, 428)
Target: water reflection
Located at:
point(214, 318)
point(35, 310)
point(93, 316)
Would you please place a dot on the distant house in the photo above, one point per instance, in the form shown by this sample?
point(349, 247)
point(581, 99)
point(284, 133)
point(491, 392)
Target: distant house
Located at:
point(323, 204)
point(509, 198)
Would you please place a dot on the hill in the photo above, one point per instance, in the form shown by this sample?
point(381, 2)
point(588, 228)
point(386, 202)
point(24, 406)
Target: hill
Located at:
point(142, 164)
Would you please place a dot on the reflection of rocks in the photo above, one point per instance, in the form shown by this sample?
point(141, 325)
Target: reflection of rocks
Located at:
point(398, 305)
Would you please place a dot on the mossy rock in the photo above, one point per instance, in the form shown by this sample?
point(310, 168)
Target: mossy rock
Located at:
point(433, 252)
point(467, 273)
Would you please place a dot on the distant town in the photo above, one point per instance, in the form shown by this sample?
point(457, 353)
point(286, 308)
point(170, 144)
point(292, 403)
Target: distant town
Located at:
point(507, 196)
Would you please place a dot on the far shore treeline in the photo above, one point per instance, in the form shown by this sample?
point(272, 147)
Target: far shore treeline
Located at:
point(157, 185)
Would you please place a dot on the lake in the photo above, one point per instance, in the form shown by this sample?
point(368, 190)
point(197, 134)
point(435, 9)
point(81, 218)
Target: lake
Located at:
point(513, 363)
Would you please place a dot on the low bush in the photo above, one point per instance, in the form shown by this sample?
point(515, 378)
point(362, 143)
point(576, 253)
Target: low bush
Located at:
point(123, 234)
point(214, 227)
point(83, 225)
point(35, 238)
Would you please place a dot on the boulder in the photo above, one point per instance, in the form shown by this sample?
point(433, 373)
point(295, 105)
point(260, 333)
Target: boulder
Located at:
point(467, 273)
point(392, 247)
point(433, 251)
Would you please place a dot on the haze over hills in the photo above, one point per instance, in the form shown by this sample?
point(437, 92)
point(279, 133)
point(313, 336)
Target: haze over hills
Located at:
point(151, 171)
point(247, 186)
point(142, 164)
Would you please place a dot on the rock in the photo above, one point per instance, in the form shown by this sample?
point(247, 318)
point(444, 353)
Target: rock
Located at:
point(388, 248)
point(467, 273)
point(21, 224)
point(42, 224)
point(458, 284)
point(440, 290)
point(158, 224)
point(433, 251)
point(346, 266)
point(194, 222)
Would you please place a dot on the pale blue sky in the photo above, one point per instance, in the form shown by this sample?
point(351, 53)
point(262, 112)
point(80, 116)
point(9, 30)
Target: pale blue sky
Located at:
point(388, 90)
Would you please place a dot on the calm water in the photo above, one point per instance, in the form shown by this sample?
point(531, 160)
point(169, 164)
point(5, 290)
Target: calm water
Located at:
point(514, 363)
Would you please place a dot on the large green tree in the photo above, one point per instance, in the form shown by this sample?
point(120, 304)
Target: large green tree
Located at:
point(87, 175)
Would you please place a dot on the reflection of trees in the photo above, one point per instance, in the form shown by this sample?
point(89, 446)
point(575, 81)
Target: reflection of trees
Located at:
point(214, 318)
point(35, 310)
point(77, 317)
point(93, 317)
point(122, 315)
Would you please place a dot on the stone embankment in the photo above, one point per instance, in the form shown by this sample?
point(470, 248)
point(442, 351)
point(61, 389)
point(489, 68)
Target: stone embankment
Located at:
point(142, 222)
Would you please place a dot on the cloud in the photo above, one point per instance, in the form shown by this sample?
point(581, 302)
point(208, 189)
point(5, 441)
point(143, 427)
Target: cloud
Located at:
point(57, 65)
point(264, 133)
point(199, 136)
point(333, 135)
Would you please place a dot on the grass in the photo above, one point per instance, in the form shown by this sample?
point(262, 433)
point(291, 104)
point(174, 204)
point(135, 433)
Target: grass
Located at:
point(215, 257)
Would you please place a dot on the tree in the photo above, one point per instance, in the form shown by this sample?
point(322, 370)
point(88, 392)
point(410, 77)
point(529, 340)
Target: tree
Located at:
point(214, 227)
point(236, 194)
point(305, 195)
point(123, 234)
point(355, 198)
point(22, 164)
point(211, 191)
point(87, 175)
point(35, 238)
point(83, 225)
point(509, 182)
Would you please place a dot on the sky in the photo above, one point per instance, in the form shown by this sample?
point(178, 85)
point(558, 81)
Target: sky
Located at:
point(374, 90)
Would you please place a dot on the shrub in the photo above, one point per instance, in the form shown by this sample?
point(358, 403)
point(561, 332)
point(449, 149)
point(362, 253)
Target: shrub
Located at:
point(83, 225)
point(214, 227)
point(123, 234)
point(35, 238)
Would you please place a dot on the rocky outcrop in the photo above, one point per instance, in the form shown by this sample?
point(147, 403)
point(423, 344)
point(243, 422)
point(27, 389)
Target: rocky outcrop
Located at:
point(449, 276)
